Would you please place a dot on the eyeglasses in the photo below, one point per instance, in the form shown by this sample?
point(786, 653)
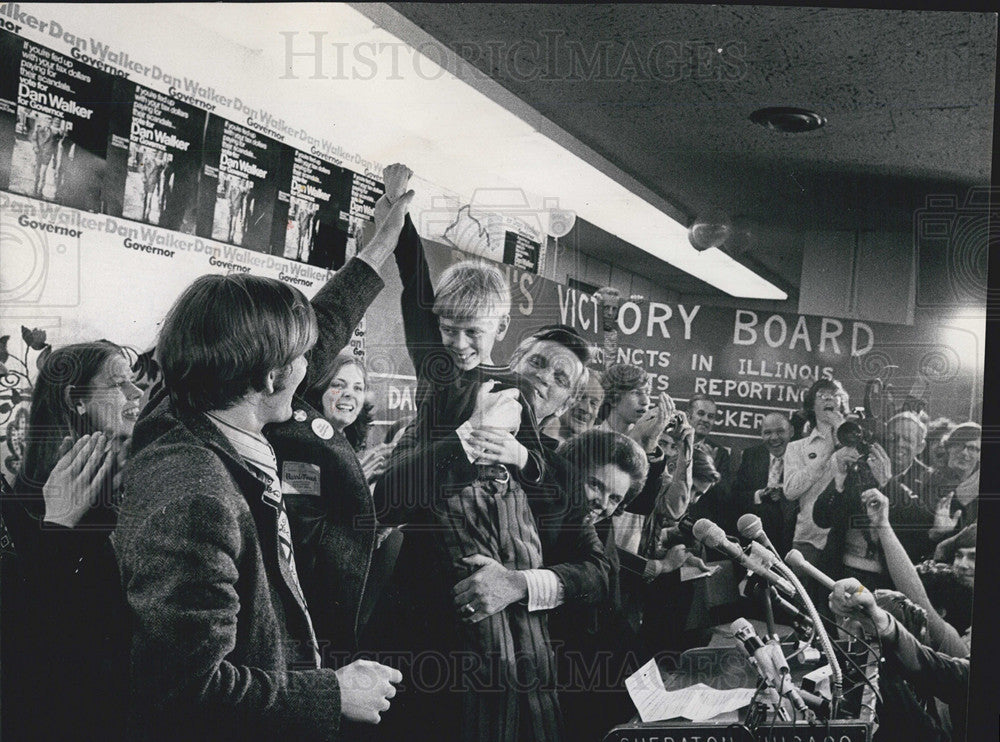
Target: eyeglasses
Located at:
point(829, 397)
point(970, 447)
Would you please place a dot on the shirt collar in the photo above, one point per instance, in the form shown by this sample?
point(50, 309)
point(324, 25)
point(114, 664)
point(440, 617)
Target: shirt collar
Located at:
point(817, 433)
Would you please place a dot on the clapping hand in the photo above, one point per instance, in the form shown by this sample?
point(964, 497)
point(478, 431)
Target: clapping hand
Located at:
point(944, 521)
point(647, 431)
point(880, 464)
point(373, 460)
point(84, 470)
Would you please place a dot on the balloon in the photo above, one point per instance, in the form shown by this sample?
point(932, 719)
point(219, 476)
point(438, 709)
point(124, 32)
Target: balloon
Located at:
point(561, 221)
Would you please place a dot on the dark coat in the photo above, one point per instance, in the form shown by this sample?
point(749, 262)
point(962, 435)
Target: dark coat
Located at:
point(68, 612)
point(719, 503)
point(778, 518)
point(429, 463)
point(330, 507)
point(332, 519)
point(910, 514)
point(221, 644)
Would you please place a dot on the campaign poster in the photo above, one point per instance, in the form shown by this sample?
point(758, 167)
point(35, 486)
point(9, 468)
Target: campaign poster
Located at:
point(364, 191)
point(154, 155)
point(318, 193)
point(239, 185)
point(60, 125)
point(521, 252)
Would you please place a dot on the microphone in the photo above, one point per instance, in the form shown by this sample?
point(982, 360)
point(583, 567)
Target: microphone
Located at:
point(714, 537)
point(791, 610)
point(762, 555)
point(751, 528)
point(795, 560)
point(771, 663)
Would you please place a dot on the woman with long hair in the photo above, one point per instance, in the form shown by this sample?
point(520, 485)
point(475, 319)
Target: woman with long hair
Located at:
point(340, 394)
point(60, 515)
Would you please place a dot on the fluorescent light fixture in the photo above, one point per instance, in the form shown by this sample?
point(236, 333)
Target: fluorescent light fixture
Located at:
point(375, 96)
point(542, 166)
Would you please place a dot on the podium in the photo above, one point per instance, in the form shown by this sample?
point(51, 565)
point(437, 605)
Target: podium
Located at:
point(725, 668)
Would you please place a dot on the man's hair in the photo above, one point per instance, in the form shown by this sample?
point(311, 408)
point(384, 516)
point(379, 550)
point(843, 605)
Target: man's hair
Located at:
point(779, 416)
point(224, 334)
point(594, 448)
point(565, 336)
point(471, 289)
point(703, 466)
point(619, 380)
point(912, 417)
point(702, 398)
point(962, 434)
point(809, 398)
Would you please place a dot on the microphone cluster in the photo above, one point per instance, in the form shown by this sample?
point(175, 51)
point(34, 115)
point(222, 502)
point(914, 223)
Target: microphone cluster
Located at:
point(761, 559)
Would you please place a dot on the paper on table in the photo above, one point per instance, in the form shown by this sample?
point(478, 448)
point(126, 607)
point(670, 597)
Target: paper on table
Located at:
point(645, 688)
point(697, 702)
point(701, 703)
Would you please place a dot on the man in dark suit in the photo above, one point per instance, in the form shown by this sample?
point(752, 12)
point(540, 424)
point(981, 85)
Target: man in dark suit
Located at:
point(719, 503)
point(760, 479)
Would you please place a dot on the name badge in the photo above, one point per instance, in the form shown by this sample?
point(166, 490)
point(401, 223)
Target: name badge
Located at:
point(322, 428)
point(299, 478)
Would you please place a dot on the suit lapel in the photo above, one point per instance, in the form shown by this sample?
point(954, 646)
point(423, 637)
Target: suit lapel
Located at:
point(265, 513)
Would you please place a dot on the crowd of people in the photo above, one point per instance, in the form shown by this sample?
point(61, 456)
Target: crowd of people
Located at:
point(222, 555)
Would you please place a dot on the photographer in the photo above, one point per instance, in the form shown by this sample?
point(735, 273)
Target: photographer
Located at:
point(808, 465)
point(852, 547)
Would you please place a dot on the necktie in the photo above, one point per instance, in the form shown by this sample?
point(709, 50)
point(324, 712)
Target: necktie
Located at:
point(257, 452)
point(287, 555)
point(776, 472)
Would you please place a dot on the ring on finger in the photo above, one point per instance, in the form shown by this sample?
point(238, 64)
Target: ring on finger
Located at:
point(468, 609)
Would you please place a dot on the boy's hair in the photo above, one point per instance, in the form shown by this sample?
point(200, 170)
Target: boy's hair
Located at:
point(594, 448)
point(470, 289)
point(224, 334)
point(619, 380)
